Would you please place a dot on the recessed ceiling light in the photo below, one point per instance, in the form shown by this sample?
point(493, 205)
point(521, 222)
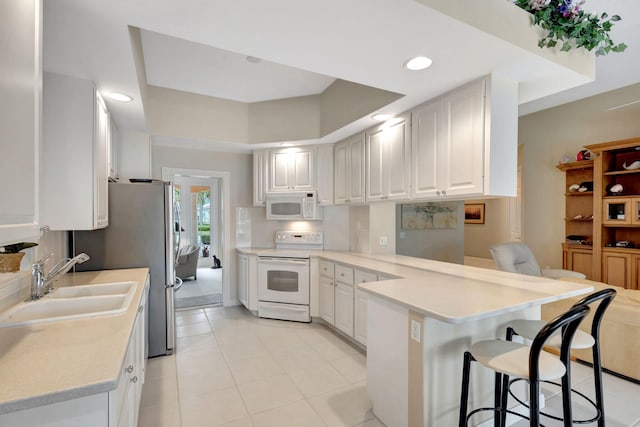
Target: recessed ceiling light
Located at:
point(253, 59)
point(417, 63)
point(381, 117)
point(117, 96)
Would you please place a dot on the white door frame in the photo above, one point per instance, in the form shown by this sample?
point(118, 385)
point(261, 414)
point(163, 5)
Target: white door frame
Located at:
point(168, 174)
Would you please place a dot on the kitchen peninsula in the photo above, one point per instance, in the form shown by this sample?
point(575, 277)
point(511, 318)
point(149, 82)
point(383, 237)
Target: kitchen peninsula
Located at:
point(419, 317)
point(429, 320)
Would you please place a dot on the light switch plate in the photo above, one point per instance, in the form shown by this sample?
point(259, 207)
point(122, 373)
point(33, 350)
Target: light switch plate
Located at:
point(384, 240)
point(415, 331)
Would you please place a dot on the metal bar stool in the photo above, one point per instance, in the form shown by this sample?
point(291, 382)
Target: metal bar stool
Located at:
point(582, 340)
point(511, 359)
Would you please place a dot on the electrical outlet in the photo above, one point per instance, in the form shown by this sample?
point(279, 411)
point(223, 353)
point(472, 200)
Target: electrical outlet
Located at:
point(415, 331)
point(384, 241)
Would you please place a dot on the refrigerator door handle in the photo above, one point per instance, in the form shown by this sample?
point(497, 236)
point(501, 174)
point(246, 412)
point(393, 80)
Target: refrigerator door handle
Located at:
point(177, 285)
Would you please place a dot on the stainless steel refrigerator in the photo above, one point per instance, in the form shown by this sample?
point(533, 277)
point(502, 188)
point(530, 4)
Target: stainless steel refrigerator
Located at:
point(141, 233)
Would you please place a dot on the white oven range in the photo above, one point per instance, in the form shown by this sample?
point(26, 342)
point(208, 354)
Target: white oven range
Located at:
point(283, 276)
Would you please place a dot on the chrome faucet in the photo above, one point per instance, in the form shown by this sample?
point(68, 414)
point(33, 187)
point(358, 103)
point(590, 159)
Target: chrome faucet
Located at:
point(42, 284)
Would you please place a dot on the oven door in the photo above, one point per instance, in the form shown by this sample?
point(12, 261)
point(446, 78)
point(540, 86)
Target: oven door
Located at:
point(283, 280)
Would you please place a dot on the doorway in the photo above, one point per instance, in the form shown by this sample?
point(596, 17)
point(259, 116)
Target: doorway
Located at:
point(202, 255)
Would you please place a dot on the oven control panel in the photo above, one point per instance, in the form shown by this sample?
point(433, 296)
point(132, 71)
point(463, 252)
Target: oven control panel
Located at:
point(299, 238)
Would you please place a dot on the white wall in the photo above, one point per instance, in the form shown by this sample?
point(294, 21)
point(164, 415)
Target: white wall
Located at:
point(134, 155)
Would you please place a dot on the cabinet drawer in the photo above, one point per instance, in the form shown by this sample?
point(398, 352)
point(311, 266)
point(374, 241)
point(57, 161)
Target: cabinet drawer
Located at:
point(365, 276)
point(326, 268)
point(344, 274)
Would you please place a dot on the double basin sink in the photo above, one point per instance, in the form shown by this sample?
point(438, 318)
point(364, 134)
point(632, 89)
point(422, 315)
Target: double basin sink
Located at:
point(70, 303)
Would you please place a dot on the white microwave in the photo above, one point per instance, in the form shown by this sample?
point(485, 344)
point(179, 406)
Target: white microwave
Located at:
point(302, 206)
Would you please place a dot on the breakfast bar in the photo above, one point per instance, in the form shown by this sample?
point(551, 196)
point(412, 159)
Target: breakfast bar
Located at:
point(419, 328)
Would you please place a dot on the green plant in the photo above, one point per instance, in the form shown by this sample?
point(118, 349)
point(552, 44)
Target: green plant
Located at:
point(567, 23)
point(17, 247)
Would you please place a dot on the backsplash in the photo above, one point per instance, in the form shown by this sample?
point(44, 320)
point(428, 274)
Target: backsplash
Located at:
point(15, 287)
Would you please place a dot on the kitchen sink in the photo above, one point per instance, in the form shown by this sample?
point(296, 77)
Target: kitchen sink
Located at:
point(70, 303)
point(119, 288)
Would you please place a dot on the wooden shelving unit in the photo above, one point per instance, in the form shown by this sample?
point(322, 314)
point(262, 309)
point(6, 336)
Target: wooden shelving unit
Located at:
point(578, 218)
point(616, 216)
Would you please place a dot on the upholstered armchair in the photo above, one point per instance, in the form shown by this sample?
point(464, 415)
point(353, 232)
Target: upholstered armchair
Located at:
point(516, 257)
point(187, 263)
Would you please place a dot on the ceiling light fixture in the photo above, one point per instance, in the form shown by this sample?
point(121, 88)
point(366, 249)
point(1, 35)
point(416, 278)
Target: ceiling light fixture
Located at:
point(117, 96)
point(253, 59)
point(417, 63)
point(286, 144)
point(381, 117)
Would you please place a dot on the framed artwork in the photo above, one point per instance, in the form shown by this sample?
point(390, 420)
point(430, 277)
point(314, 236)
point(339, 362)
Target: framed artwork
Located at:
point(421, 216)
point(474, 213)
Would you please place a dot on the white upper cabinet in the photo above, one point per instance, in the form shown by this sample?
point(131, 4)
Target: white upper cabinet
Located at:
point(388, 160)
point(427, 125)
point(458, 150)
point(325, 174)
point(260, 166)
point(292, 169)
point(76, 143)
point(349, 170)
point(20, 119)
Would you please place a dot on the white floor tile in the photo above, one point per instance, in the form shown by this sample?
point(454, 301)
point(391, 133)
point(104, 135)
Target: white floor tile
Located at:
point(210, 379)
point(212, 409)
point(191, 316)
point(194, 329)
point(165, 415)
point(269, 393)
point(248, 369)
point(353, 367)
point(159, 391)
point(348, 406)
point(164, 366)
point(318, 380)
point(242, 422)
point(297, 414)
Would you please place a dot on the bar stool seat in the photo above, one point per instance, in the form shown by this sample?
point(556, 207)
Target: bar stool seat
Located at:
point(509, 359)
point(512, 359)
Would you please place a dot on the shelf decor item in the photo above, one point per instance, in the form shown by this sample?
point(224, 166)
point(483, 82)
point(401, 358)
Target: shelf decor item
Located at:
point(10, 256)
point(568, 24)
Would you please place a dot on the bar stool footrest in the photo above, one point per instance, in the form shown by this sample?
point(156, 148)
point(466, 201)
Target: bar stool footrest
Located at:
point(586, 398)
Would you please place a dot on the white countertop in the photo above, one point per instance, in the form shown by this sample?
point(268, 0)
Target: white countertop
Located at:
point(449, 292)
point(57, 361)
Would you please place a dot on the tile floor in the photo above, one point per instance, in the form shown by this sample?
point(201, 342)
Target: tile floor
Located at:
point(233, 369)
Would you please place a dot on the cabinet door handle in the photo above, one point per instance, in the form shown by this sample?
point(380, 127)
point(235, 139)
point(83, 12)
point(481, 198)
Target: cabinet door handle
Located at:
point(438, 193)
point(140, 309)
point(129, 369)
point(444, 193)
point(134, 379)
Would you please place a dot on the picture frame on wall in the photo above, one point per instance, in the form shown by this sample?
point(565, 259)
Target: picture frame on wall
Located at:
point(474, 213)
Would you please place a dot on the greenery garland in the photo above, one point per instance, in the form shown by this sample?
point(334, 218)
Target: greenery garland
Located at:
point(567, 23)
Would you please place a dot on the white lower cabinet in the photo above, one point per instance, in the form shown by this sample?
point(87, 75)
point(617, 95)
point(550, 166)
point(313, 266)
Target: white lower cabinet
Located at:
point(126, 398)
point(117, 408)
point(327, 299)
point(342, 304)
point(344, 308)
point(360, 306)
